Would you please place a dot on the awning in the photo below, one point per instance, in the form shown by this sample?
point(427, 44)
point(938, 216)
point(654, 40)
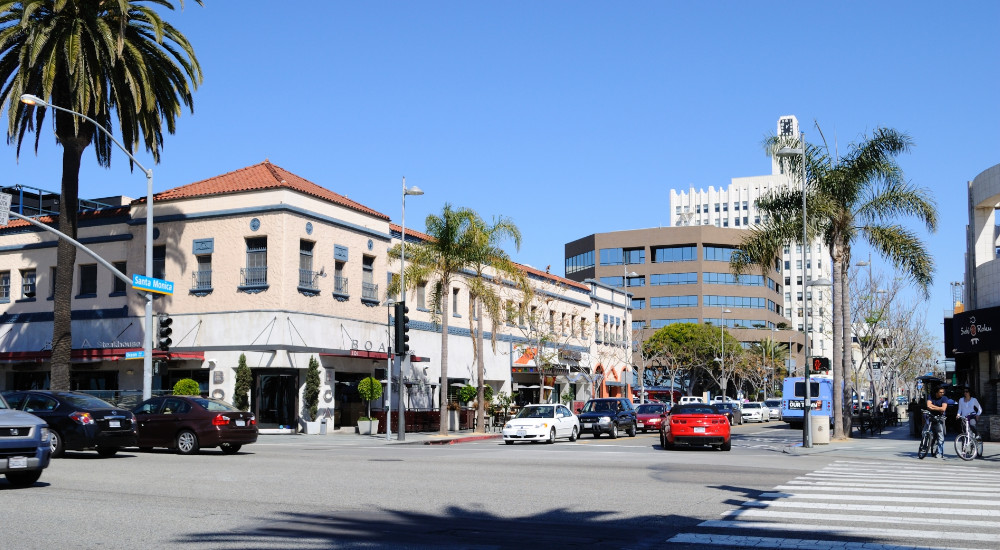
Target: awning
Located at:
point(358, 353)
point(94, 355)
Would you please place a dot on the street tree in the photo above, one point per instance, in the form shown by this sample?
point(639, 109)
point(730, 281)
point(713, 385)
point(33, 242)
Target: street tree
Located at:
point(861, 194)
point(111, 61)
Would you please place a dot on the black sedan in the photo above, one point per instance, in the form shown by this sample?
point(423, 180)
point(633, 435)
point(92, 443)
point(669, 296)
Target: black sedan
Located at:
point(78, 421)
point(189, 423)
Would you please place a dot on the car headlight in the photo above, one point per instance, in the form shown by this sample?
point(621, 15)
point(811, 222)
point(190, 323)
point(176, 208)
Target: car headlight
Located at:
point(604, 419)
point(45, 434)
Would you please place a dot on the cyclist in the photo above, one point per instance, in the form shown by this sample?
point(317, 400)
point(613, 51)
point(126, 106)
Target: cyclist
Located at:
point(937, 404)
point(969, 406)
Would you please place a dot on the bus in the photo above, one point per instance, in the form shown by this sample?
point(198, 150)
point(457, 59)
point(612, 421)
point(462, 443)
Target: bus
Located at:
point(794, 393)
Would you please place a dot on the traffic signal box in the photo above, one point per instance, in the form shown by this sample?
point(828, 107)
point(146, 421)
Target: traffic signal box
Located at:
point(163, 332)
point(402, 326)
point(820, 365)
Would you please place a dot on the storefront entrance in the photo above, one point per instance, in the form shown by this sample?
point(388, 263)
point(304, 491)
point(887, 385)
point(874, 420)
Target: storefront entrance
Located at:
point(275, 397)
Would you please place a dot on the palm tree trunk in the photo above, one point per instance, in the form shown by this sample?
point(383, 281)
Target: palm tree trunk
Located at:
point(847, 365)
point(837, 365)
point(443, 390)
point(480, 372)
point(62, 296)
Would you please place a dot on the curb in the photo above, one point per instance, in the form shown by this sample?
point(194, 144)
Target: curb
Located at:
point(464, 439)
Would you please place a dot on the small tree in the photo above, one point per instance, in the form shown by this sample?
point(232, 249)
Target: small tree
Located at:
point(241, 394)
point(186, 386)
point(310, 395)
point(369, 389)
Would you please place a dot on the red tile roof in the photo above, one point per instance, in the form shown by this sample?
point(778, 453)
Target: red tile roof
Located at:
point(259, 176)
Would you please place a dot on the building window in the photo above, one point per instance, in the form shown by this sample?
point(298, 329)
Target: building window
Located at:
point(369, 290)
point(28, 283)
point(203, 276)
point(454, 303)
point(635, 256)
point(307, 277)
point(88, 280)
point(422, 296)
point(117, 285)
point(581, 261)
point(4, 287)
point(160, 262)
point(255, 273)
point(662, 254)
point(611, 256)
point(339, 281)
point(638, 303)
point(52, 283)
point(718, 253)
point(673, 301)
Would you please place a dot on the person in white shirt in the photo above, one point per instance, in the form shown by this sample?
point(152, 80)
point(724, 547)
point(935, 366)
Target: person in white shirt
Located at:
point(969, 406)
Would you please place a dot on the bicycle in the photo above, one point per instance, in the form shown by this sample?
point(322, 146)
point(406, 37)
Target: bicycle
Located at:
point(968, 445)
point(926, 437)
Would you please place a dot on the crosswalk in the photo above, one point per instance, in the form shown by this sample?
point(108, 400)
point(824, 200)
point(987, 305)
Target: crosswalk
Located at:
point(870, 505)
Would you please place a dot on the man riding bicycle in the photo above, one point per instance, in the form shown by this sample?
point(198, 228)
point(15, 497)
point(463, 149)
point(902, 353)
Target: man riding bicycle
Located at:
point(937, 404)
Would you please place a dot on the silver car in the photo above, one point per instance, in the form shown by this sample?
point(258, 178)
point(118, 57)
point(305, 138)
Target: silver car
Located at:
point(24, 446)
point(774, 408)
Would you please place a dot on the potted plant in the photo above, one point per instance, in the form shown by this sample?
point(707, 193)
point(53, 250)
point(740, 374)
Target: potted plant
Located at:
point(453, 408)
point(310, 398)
point(369, 389)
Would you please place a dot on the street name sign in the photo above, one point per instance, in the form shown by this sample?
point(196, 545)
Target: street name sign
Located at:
point(152, 284)
point(135, 354)
point(5, 199)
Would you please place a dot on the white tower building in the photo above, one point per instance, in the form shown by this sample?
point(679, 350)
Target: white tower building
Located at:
point(735, 206)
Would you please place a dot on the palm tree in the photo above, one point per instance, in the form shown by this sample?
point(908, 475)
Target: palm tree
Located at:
point(444, 256)
point(861, 194)
point(481, 243)
point(107, 60)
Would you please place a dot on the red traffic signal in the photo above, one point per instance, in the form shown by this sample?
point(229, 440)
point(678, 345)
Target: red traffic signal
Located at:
point(820, 364)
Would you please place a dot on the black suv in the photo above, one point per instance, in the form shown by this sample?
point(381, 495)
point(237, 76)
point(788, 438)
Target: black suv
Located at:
point(607, 415)
point(731, 410)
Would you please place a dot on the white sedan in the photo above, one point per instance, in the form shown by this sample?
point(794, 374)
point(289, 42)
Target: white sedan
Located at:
point(545, 422)
point(756, 412)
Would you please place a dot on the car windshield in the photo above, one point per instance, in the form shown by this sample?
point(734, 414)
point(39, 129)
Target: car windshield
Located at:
point(87, 401)
point(649, 409)
point(751, 405)
point(693, 409)
point(773, 402)
point(599, 406)
point(540, 411)
point(214, 405)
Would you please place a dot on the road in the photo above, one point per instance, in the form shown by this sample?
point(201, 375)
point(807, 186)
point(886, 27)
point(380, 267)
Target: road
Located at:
point(314, 493)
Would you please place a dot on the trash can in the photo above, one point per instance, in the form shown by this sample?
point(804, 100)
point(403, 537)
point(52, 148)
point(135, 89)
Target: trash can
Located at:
point(820, 429)
point(322, 426)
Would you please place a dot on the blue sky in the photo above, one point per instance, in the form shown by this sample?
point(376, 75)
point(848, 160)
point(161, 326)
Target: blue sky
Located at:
point(551, 113)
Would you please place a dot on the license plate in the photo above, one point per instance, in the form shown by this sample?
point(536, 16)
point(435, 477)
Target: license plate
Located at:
point(639, 425)
point(521, 433)
point(587, 424)
point(698, 430)
point(241, 422)
point(17, 462)
point(114, 424)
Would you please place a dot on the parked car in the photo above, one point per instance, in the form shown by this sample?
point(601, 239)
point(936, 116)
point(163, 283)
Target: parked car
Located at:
point(24, 446)
point(608, 415)
point(755, 411)
point(649, 415)
point(773, 408)
point(696, 424)
point(543, 422)
point(78, 421)
point(189, 423)
point(691, 399)
point(731, 410)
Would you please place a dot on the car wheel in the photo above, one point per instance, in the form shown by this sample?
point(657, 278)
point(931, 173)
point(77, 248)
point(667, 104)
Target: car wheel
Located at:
point(107, 451)
point(574, 434)
point(663, 441)
point(728, 445)
point(230, 448)
point(613, 434)
point(552, 437)
point(23, 479)
point(187, 442)
point(631, 430)
point(55, 444)
point(508, 441)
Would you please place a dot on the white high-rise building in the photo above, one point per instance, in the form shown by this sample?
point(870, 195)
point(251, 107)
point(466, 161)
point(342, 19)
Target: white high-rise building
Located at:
point(735, 206)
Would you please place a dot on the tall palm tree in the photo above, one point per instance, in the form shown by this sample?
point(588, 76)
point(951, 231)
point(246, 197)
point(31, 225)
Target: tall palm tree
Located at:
point(482, 242)
point(112, 61)
point(859, 195)
point(442, 258)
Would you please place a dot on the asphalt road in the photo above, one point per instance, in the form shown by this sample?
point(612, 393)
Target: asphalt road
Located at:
point(310, 493)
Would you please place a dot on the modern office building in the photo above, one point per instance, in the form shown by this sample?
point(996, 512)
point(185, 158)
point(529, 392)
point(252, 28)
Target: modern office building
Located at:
point(681, 274)
point(734, 206)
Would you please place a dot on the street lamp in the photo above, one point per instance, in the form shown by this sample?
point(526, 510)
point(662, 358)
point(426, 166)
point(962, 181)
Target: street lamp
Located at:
point(388, 411)
point(147, 347)
point(402, 298)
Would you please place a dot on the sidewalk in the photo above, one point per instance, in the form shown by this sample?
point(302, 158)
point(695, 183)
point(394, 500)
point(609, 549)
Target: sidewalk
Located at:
point(895, 443)
point(349, 436)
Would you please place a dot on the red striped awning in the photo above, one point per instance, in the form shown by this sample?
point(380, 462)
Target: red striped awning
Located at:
point(92, 355)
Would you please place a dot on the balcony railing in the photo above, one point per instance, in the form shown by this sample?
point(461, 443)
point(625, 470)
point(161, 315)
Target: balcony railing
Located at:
point(308, 279)
point(369, 293)
point(339, 284)
point(201, 280)
point(253, 279)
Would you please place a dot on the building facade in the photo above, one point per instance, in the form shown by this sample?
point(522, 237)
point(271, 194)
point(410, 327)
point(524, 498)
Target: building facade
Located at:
point(735, 206)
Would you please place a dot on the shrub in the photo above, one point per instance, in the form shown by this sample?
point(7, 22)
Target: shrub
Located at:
point(241, 394)
point(310, 395)
point(186, 386)
point(369, 389)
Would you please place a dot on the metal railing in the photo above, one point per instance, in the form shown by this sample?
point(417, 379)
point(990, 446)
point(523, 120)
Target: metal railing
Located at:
point(201, 280)
point(340, 284)
point(369, 291)
point(253, 276)
point(307, 279)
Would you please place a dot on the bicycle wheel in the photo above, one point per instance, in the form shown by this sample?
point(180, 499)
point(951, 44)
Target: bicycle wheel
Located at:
point(925, 445)
point(965, 447)
point(979, 447)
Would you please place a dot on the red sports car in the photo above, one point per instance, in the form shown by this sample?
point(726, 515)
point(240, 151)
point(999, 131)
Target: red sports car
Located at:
point(695, 424)
point(649, 415)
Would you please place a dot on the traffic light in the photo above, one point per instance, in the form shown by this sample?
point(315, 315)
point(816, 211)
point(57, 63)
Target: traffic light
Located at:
point(820, 364)
point(402, 324)
point(163, 332)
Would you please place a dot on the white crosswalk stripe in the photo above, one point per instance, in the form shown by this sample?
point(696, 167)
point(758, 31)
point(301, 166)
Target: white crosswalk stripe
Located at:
point(858, 504)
